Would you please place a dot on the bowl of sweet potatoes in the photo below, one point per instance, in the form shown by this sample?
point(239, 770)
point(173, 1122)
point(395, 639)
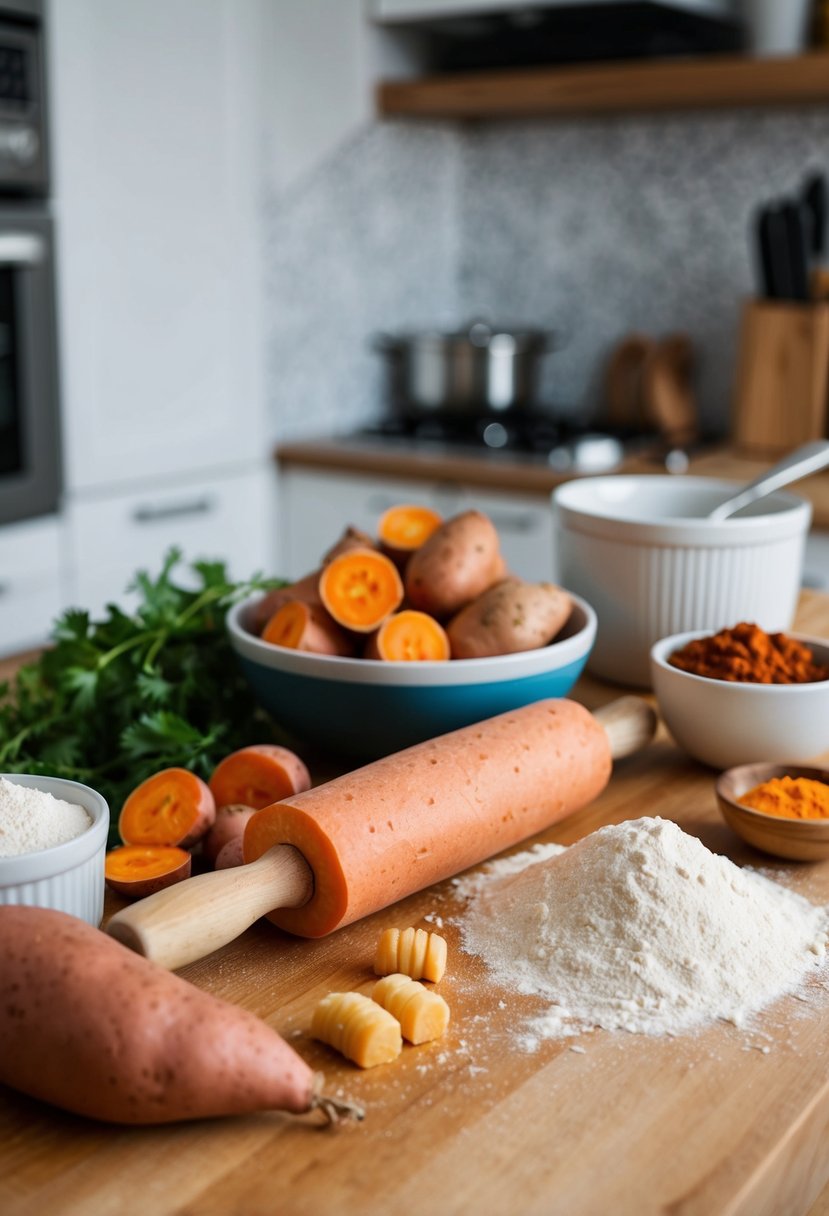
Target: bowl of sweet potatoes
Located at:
point(400, 636)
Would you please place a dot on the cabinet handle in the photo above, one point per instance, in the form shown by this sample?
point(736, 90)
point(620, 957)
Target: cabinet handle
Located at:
point(523, 522)
point(173, 510)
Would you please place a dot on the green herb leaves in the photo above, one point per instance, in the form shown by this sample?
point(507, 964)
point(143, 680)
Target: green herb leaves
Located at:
point(113, 701)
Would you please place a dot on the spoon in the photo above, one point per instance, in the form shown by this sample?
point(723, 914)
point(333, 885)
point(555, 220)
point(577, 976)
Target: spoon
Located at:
point(800, 463)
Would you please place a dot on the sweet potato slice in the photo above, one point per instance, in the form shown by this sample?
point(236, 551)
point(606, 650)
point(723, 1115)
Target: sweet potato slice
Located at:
point(404, 528)
point(136, 870)
point(258, 775)
point(172, 807)
point(409, 636)
point(360, 589)
point(305, 589)
point(307, 627)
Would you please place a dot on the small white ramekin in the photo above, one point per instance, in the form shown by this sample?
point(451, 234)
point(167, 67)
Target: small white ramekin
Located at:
point(68, 877)
point(640, 550)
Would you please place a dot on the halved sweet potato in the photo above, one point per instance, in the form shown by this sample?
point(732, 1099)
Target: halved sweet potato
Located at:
point(258, 775)
point(307, 627)
point(409, 636)
point(172, 807)
point(136, 870)
point(360, 589)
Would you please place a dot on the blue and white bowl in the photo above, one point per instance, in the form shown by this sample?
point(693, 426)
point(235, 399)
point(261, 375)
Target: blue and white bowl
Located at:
point(369, 707)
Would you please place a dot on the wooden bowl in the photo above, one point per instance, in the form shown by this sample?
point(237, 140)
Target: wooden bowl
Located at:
point(795, 839)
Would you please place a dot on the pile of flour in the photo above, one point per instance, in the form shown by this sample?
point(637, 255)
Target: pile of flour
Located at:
point(640, 927)
point(31, 820)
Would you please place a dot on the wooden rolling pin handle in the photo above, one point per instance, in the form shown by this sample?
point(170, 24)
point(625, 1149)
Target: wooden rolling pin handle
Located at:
point(630, 724)
point(191, 919)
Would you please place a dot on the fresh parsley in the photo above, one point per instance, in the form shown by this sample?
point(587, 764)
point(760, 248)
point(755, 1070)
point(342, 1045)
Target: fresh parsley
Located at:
point(110, 702)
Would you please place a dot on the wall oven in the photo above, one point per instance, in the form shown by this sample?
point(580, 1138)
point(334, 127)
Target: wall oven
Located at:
point(30, 448)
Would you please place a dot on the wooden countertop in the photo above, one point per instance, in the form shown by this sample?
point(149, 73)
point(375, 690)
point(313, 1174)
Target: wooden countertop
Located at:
point(508, 471)
point(702, 1124)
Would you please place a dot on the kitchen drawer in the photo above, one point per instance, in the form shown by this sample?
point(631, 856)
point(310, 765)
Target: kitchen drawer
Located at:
point(317, 506)
point(230, 519)
point(32, 582)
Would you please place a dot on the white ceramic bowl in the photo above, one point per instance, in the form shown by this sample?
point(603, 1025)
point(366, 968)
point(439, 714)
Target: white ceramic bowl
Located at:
point(641, 552)
point(68, 877)
point(725, 724)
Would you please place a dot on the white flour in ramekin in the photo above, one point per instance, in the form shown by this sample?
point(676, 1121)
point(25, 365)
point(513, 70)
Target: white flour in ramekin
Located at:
point(639, 927)
point(31, 820)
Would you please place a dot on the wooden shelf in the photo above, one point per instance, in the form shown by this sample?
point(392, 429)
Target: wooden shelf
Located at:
point(598, 89)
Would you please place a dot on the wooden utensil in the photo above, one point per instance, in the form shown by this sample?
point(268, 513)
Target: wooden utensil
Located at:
point(796, 839)
point(393, 827)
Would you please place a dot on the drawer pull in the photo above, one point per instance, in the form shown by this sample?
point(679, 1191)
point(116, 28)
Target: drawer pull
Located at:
point(173, 510)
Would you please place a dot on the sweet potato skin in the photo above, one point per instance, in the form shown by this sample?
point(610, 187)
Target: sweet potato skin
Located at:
point(231, 821)
point(304, 589)
point(456, 564)
point(512, 616)
point(89, 1026)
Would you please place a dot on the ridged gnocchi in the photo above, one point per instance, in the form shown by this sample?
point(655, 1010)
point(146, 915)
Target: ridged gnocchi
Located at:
point(359, 1028)
point(423, 1015)
point(412, 952)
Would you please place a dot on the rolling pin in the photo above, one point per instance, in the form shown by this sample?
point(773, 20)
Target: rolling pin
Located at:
point(335, 853)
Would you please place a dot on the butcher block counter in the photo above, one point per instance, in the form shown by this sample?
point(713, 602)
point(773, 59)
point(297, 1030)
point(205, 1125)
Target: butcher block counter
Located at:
point(722, 1121)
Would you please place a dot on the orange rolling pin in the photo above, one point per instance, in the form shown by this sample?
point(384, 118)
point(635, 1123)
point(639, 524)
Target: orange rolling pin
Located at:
point(333, 854)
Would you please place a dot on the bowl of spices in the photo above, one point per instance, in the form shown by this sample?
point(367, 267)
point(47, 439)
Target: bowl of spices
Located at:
point(53, 836)
point(780, 809)
point(743, 696)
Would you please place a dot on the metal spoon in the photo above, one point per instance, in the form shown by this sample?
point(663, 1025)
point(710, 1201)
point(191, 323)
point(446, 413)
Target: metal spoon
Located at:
point(799, 463)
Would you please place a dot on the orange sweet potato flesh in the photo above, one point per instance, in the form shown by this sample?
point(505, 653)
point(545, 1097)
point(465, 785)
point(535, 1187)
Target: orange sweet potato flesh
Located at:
point(307, 627)
point(91, 1027)
point(136, 870)
point(305, 589)
point(409, 636)
point(360, 589)
point(455, 565)
point(172, 807)
point(414, 818)
point(258, 775)
point(404, 528)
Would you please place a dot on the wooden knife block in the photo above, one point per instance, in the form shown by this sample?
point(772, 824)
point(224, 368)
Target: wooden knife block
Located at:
point(782, 392)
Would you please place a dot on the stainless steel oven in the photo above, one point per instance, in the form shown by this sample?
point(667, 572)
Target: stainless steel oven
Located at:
point(30, 448)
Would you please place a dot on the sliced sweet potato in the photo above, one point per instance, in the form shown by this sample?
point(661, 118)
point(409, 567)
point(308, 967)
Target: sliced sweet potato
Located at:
point(136, 870)
point(404, 528)
point(512, 616)
point(360, 589)
point(258, 775)
point(305, 589)
point(409, 636)
point(307, 627)
point(172, 807)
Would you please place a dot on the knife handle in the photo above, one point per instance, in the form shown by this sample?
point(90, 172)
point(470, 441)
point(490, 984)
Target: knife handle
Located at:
point(193, 918)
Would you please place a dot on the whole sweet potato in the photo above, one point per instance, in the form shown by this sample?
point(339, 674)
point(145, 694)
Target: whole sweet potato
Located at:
point(93, 1028)
point(509, 617)
point(455, 565)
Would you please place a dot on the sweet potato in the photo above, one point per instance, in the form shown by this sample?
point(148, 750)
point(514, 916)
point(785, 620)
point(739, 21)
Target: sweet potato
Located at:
point(307, 627)
point(455, 565)
point(360, 589)
point(172, 807)
point(258, 775)
point(404, 528)
point(230, 855)
point(352, 538)
point(305, 589)
point(93, 1028)
point(509, 617)
point(231, 821)
point(408, 636)
point(136, 870)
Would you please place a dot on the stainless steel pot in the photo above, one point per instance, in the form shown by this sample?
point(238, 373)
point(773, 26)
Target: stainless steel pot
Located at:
point(484, 369)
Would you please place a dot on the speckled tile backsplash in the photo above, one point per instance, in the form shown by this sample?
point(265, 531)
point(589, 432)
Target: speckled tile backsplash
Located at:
point(594, 227)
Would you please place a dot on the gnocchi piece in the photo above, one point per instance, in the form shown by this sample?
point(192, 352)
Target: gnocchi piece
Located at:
point(414, 952)
point(357, 1027)
point(423, 1014)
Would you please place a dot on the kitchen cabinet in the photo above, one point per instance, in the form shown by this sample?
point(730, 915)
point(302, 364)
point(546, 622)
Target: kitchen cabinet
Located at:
point(315, 507)
point(32, 581)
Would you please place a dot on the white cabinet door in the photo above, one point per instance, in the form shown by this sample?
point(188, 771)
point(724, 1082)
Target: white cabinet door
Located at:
point(153, 132)
point(315, 507)
point(32, 582)
point(229, 519)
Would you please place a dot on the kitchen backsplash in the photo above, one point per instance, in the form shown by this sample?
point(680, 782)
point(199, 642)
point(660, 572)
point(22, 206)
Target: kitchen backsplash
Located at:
point(592, 227)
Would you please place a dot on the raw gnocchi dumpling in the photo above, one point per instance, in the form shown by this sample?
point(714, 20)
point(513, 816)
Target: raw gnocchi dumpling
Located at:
point(423, 1014)
point(412, 952)
point(357, 1027)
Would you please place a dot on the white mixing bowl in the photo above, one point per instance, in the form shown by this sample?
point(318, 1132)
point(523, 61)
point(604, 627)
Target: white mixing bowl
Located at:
point(640, 550)
point(68, 877)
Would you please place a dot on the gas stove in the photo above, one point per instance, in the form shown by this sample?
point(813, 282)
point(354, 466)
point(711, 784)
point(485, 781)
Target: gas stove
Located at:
point(566, 445)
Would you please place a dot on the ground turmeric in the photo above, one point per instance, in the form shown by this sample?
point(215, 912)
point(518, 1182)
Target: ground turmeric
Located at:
point(748, 655)
point(790, 798)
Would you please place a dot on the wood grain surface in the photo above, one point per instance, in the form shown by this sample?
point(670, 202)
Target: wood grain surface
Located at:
point(723, 1121)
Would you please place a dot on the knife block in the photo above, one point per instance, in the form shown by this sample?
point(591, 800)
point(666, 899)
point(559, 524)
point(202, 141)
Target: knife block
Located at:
point(782, 392)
